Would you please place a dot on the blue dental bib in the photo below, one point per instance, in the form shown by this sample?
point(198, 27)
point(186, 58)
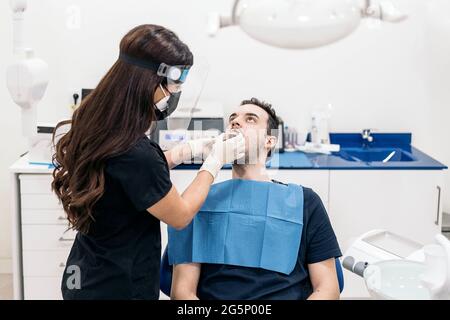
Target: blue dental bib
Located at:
point(243, 223)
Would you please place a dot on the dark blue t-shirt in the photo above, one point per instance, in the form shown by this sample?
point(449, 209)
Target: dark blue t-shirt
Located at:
point(319, 243)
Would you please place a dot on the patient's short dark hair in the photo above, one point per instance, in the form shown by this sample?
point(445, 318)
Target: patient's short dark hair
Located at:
point(273, 122)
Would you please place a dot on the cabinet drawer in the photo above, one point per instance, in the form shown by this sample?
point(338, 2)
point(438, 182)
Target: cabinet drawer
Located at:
point(35, 183)
point(44, 263)
point(42, 288)
point(49, 216)
point(47, 237)
point(40, 201)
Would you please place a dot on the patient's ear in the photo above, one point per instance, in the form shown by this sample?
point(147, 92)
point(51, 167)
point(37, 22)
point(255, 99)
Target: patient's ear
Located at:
point(271, 142)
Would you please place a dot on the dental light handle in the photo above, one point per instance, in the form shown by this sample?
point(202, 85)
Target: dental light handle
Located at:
point(384, 11)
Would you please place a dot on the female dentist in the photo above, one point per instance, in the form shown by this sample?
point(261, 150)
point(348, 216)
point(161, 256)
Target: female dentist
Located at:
point(114, 182)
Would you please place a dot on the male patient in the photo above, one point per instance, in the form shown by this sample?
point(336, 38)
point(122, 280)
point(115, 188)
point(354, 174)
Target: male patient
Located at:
point(276, 241)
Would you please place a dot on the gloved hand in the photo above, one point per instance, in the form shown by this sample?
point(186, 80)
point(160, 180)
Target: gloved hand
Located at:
point(224, 151)
point(201, 148)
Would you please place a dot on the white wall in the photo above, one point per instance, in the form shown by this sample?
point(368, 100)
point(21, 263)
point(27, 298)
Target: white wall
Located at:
point(383, 76)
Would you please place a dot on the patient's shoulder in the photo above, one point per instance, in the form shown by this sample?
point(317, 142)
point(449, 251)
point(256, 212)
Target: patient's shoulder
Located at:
point(312, 203)
point(309, 195)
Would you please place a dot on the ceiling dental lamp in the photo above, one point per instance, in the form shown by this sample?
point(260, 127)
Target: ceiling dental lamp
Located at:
point(302, 24)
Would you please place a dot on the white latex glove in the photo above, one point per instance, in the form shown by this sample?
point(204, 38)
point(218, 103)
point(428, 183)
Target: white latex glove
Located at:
point(201, 148)
point(224, 151)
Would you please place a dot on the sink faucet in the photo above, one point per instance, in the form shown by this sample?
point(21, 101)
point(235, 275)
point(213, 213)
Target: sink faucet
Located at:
point(367, 135)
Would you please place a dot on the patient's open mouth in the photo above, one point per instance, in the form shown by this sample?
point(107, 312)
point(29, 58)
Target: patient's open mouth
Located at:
point(230, 133)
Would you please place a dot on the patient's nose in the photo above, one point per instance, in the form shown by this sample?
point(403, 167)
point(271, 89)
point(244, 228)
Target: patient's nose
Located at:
point(235, 124)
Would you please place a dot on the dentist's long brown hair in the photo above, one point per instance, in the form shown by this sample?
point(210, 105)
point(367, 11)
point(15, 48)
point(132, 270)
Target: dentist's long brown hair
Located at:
point(110, 120)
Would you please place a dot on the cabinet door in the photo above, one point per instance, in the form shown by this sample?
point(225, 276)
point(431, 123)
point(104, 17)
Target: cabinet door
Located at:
point(403, 202)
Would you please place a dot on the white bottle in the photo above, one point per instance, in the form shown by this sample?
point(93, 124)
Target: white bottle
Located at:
point(314, 131)
point(319, 128)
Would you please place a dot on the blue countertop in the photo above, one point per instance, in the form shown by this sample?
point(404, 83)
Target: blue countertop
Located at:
point(351, 144)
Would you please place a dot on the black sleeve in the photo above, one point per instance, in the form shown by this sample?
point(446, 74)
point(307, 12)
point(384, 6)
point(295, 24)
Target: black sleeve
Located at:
point(143, 174)
point(321, 241)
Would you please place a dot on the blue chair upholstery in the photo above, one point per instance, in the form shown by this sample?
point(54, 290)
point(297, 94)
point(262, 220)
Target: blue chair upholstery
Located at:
point(165, 277)
point(166, 274)
point(340, 274)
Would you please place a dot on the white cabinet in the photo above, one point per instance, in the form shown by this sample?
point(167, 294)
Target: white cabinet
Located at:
point(405, 202)
point(46, 240)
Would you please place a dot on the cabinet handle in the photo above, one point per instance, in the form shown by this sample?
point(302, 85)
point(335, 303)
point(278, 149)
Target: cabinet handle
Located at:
point(438, 206)
point(62, 265)
point(61, 218)
point(62, 239)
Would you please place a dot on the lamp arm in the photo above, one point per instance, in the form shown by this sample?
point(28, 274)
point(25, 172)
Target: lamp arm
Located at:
point(18, 8)
point(27, 76)
point(234, 17)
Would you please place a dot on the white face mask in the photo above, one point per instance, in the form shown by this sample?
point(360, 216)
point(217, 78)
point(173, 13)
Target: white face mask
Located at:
point(162, 104)
point(167, 105)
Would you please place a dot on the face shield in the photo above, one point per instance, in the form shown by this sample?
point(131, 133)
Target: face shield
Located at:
point(175, 94)
point(187, 95)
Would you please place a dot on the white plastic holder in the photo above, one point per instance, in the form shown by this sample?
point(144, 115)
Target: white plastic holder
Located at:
point(437, 262)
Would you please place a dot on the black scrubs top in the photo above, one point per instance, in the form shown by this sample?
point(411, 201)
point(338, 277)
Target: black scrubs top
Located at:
point(318, 243)
point(120, 256)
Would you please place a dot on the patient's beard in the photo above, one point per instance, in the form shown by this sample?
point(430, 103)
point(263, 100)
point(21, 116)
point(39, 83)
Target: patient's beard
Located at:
point(255, 152)
point(252, 166)
point(253, 157)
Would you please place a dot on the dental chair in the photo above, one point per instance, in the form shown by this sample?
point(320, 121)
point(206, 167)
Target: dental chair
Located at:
point(165, 282)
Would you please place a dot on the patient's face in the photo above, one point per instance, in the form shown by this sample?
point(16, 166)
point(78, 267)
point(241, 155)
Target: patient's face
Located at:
point(252, 121)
